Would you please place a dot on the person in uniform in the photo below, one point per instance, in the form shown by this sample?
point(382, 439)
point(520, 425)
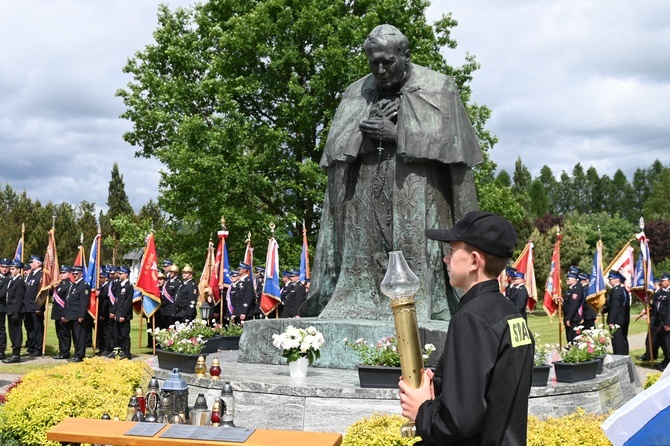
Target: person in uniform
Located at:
point(16, 289)
point(517, 292)
point(245, 298)
point(661, 322)
point(105, 342)
point(167, 263)
point(74, 316)
point(651, 350)
point(186, 297)
point(479, 391)
point(588, 313)
point(572, 300)
point(260, 283)
point(231, 295)
point(4, 281)
point(166, 312)
point(295, 296)
point(122, 312)
point(34, 313)
point(59, 295)
point(618, 312)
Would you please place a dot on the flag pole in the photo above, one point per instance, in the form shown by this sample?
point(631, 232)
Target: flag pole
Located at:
point(23, 239)
point(222, 272)
point(645, 260)
point(97, 285)
point(46, 304)
point(153, 330)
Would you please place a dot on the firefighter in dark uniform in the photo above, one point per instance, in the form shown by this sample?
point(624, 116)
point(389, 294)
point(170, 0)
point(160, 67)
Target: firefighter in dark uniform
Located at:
point(517, 292)
point(4, 281)
point(618, 312)
point(33, 313)
point(479, 391)
point(661, 322)
point(260, 283)
point(245, 297)
point(231, 295)
point(166, 312)
point(286, 287)
point(16, 288)
point(105, 343)
point(74, 316)
point(588, 313)
point(122, 312)
point(187, 296)
point(59, 296)
point(572, 300)
point(295, 296)
point(655, 340)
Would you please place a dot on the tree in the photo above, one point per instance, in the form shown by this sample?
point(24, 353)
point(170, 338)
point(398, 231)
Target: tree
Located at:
point(503, 179)
point(119, 205)
point(580, 189)
point(539, 203)
point(657, 206)
point(550, 185)
point(622, 198)
point(235, 99)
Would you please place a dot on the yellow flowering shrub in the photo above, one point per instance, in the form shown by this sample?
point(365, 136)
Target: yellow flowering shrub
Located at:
point(378, 430)
point(85, 390)
point(651, 379)
point(576, 429)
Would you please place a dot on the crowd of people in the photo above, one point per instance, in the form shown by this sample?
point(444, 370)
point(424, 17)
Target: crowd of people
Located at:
point(23, 310)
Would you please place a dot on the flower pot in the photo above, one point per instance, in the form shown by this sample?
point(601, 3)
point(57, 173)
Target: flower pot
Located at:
point(379, 376)
point(211, 345)
point(298, 369)
point(601, 361)
point(182, 361)
point(574, 372)
point(540, 375)
point(229, 342)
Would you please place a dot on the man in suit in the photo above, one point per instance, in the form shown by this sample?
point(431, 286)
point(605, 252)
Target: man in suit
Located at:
point(122, 312)
point(166, 312)
point(295, 296)
point(60, 295)
point(75, 312)
point(661, 321)
point(16, 289)
point(104, 327)
point(34, 313)
point(4, 281)
point(618, 312)
point(588, 313)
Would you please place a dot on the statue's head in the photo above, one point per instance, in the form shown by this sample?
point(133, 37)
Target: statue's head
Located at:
point(388, 55)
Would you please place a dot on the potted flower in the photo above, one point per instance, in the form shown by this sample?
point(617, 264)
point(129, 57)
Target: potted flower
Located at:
point(229, 335)
point(380, 362)
point(601, 338)
point(180, 345)
point(540, 367)
point(578, 362)
point(301, 347)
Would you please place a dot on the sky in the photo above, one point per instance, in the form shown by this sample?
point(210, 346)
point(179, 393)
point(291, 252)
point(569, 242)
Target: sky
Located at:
point(567, 81)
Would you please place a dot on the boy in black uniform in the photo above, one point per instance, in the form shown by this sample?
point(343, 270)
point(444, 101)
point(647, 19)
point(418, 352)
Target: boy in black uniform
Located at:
point(479, 391)
point(76, 308)
point(16, 289)
point(59, 295)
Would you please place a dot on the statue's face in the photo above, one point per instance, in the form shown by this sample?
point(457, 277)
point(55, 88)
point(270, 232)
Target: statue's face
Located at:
point(387, 64)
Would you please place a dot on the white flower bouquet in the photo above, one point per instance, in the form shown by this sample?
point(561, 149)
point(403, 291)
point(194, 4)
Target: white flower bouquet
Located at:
point(298, 342)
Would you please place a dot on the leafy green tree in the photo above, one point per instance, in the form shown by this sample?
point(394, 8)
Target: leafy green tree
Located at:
point(503, 179)
point(581, 190)
point(622, 197)
point(597, 200)
point(565, 203)
point(235, 98)
point(119, 204)
point(657, 206)
point(539, 202)
point(550, 186)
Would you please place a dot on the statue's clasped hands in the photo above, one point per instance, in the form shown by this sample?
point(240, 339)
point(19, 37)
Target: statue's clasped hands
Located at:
point(379, 125)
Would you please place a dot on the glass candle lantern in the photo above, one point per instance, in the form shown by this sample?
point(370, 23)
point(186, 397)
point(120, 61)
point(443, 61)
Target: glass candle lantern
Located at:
point(215, 370)
point(199, 414)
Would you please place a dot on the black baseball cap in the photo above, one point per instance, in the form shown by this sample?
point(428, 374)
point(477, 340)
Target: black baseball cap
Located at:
point(484, 230)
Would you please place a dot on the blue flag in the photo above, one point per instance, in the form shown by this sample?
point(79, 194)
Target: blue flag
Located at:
point(91, 275)
point(304, 257)
point(596, 292)
point(19, 250)
point(270, 299)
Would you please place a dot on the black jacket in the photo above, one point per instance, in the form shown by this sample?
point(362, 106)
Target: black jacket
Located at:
point(572, 302)
point(60, 293)
point(185, 300)
point(295, 297)
point(483, 378)
point(518, 295)
point(32, 281)
point(76, 305)
point(124, 302)
point(618, 307)
point(244, 299)
point(4, 280)
point(16, 289)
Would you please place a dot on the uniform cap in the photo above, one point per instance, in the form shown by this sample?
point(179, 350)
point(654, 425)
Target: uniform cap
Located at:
point(173, 268)
point(285, 273)
point(16, 264)
point(614, 274)
point(65, 269)
point(26, 266)
point(583, 276)
point(5, 262)
point(484, 230)
point(518, 275)
point(36, 257)
point(161, 275)
point(167, 262)
point(123, 269)
point(77, 269)
point(665, 276)
point(293, 273)
point(234, 273)
point(572, 275)
point(187, 269)
point(243, 265)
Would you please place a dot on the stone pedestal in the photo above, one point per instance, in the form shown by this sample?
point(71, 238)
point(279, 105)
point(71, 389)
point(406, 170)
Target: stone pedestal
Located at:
point(256, 341)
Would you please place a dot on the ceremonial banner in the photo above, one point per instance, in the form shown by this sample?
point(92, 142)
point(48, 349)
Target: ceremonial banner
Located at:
point(595, 295)
point(203, 284)
point(553, 285)
point(304, 257)
point(525, 264)
point(215, 283)
point(18, 254)
point(91, 275)
point(249, 260)
point(147, 281)
point(270, 298)
point(624, 263)
point(644, 274)
point(50, 271)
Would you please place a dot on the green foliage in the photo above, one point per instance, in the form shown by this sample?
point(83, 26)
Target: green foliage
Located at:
point(384, 352)
point(378, 430)
point(85, 390)
point(651, 379)
point(235, 98)
point(228, 330)
point(578, 428)
point(657, 207)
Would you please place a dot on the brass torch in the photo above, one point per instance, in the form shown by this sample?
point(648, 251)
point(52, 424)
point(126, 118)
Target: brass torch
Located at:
point(400, 284)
